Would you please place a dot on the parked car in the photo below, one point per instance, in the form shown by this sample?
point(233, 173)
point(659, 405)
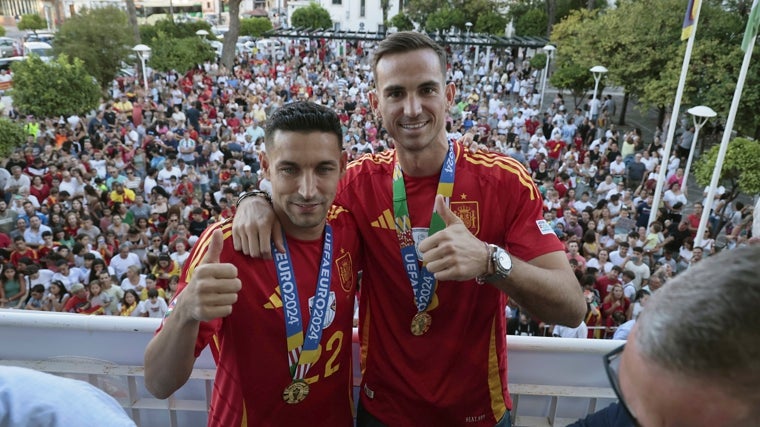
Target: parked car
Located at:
point(9, 47)
point(41, 49)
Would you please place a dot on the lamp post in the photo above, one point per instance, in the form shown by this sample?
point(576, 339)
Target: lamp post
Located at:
point(549, 49)
point(467, 24)
point(143, 52)
point(202, 34)
point(597, 71)
point(700, 115)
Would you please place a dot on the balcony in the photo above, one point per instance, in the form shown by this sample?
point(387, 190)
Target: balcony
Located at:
point(553, 381)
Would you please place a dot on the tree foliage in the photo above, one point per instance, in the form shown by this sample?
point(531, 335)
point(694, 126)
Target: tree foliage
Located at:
point(2, 31)
point(741, 167)
point(491, 23)
point(172, 29)
point(12, 135)
point(473, 11)
point(179, 54)
point(312, 16)
point(59, 88)
point(532, 23)
point(255, 27)
point(31, 22)
point(445, 18)
point(573, 78)
point(639, 42)
point(402, 22)
point(101, 38)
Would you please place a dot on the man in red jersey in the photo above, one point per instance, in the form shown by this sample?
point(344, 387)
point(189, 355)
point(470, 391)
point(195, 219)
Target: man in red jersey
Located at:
point(433, 338)
point(282, 342)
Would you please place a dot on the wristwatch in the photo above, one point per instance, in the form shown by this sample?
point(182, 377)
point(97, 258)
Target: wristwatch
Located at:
point(501, 265)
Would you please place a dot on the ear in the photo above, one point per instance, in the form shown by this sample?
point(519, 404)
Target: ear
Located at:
point(451, 92)
point(373, 102)
point(264, 161)
point(343, 162)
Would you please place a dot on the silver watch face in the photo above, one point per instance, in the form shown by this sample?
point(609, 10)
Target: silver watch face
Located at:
point(503, 261)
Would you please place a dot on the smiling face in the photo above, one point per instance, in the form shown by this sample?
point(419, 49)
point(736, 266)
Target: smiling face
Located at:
point(412, 98)
point(304, 169)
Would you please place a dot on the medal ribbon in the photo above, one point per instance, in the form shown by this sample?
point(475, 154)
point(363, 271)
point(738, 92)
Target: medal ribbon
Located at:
point(423, 282)
point(302, 353)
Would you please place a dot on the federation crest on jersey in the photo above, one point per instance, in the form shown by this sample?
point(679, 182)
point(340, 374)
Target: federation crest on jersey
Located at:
point(332, 306)
point(469, 213)
point(345, 271)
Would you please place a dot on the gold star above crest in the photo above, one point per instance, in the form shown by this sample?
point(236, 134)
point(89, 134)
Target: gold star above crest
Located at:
point(463, 196)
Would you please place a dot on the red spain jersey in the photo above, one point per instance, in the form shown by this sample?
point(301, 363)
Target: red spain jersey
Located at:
point(456, 373)
point(250, 348)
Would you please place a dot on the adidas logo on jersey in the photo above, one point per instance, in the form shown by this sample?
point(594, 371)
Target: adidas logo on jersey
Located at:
point(384, 221)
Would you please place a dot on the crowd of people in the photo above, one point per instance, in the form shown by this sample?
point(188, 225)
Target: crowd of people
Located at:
point(99, 212)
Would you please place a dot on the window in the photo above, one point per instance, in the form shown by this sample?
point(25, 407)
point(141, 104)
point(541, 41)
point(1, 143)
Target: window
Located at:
point(362, 8)
point(337, 1)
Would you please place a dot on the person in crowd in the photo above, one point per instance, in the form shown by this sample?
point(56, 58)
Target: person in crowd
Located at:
point(412, 98)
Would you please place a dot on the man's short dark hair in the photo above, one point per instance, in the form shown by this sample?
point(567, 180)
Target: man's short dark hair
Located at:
point(303, 117)
point(407, 41)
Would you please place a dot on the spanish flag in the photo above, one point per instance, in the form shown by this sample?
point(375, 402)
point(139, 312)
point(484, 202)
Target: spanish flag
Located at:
point(689, 18)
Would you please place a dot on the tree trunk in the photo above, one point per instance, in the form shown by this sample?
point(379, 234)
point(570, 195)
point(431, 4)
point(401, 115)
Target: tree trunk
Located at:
point(590, 4)
point(661, 116)
point(132, 13)
point(384, 5)
point(230, 39)
point(623, 109)
point(551, 12)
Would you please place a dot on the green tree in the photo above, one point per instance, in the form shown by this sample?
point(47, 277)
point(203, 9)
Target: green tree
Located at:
point(473, 11)
point(31, 22)
point(179, 54)
point(491, 23)
point(532, 23)
point(172, 29)
point(12, 135)
point(312, 16)
point(740, 172)
point(59, 88)
point(101, 38)
point(255, 27)
point(573, 78)
point(2, 31)
point(640, 45)
point(402, 22)
point(445, 18)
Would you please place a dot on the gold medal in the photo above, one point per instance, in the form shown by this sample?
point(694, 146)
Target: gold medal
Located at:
point(421, 323)
point(295, 392)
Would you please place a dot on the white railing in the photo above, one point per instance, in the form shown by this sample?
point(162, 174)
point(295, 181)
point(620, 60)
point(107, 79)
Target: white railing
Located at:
point(552, 380)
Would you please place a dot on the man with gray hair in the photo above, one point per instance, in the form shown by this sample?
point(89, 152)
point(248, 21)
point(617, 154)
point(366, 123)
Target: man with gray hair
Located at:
point(692, 357)
point(125, 258)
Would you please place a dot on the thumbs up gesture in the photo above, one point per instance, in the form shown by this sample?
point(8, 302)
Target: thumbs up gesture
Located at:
point(454, 253)
point(213, 287)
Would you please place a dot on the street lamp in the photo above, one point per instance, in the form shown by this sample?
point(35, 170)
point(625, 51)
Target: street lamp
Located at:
point(143, 52)
point(597, 71)
point(700, 115)
point(467, 24)
point(549, 49)
point(202, 34)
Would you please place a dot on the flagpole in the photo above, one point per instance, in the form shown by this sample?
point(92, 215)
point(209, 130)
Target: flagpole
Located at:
point(726, 137)
point(674, 118)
